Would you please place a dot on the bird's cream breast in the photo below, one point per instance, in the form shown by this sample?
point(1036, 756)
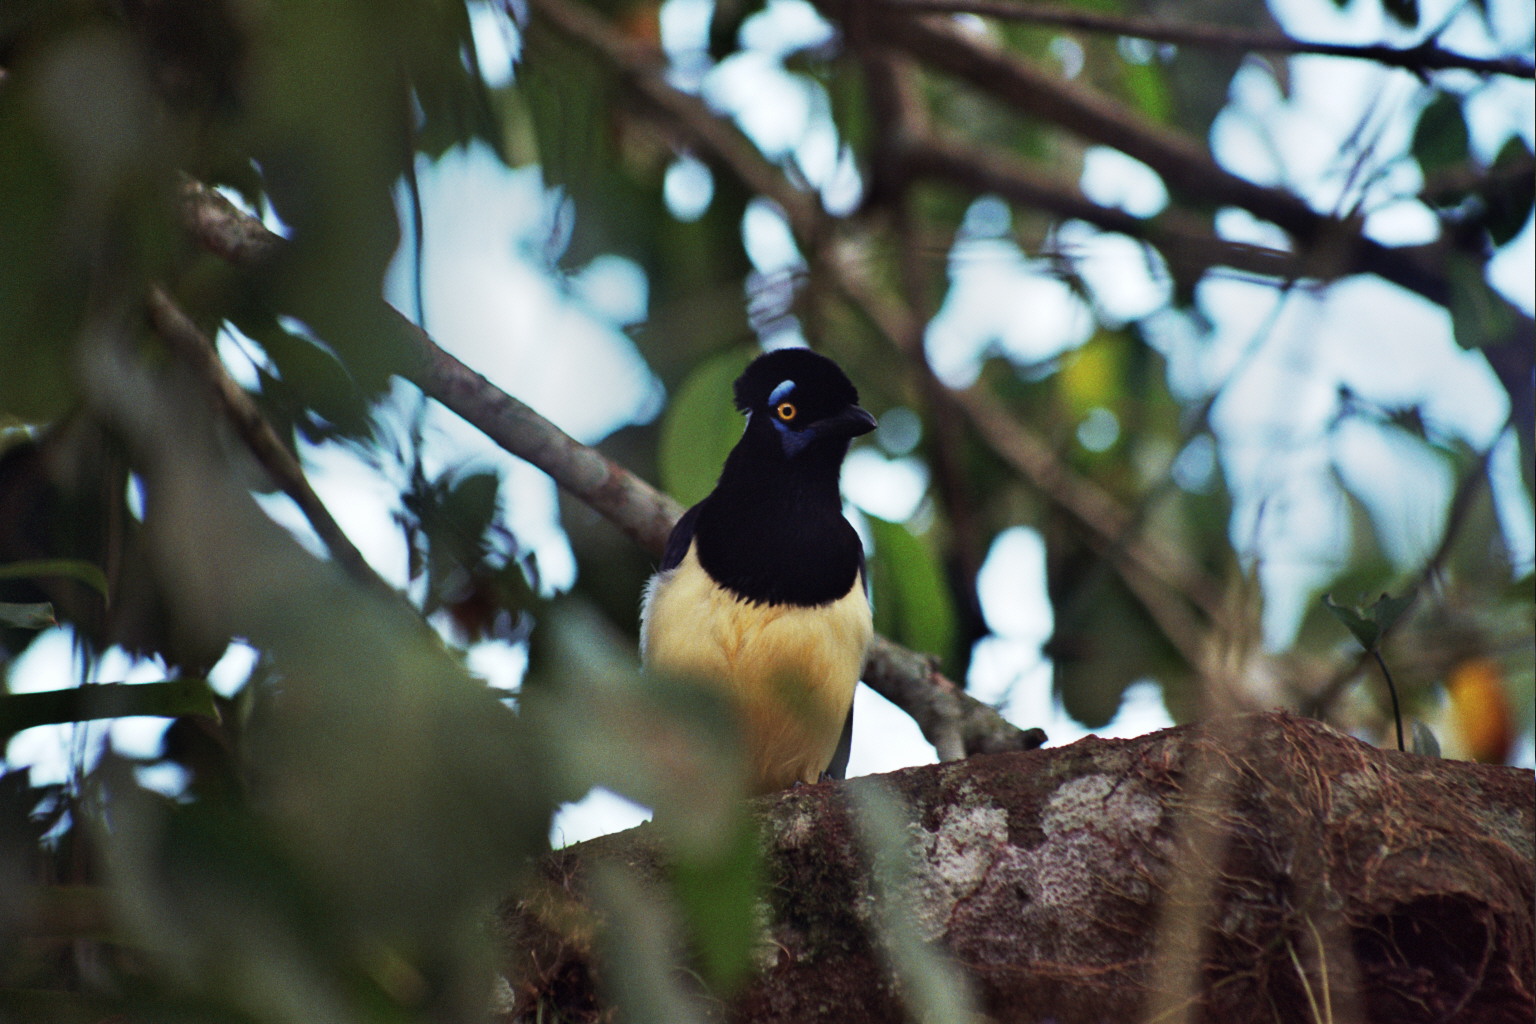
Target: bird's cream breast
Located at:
point(792, 669)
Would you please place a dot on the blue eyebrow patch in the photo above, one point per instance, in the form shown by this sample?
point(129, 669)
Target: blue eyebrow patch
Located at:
point(778, 394)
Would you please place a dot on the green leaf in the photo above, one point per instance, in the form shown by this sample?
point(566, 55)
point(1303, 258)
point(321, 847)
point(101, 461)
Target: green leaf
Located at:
point(670, 744)
point(913, 604)
point(717, 892)
point(701, 426)
point(74, 568)
point(190, 696)
point(311, 382)
point(1388, 609)
point(39, 305)
point(1369, 624)
point(1440, 141)
point(1359, 624)
point(471, 503)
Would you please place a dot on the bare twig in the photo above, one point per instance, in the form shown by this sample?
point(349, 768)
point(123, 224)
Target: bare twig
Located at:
point(1422, 57)
point(1335, 246)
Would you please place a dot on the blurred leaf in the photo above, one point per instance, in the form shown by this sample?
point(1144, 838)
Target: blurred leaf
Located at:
point(1368, 624)
point(848, 100)
point(40, 299)
point(701, 426)
point(1103, 646)
point(639, 946)
point(90, 701)
point(1148, 89)
point(37, 615)
point(1508, 208)
point(1480, 315)
point(935, 990)
point(606, 170)
point(718, 895)
point(1094, 376)
point(472, 502)
point(913, 603)
point(391, 782)
point(668, 744)
point(1404, 12)
point(1440, 141)
point(312, 392)
point(1423, 741)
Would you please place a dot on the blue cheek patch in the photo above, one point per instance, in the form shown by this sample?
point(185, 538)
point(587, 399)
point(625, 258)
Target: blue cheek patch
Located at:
point(792, 441)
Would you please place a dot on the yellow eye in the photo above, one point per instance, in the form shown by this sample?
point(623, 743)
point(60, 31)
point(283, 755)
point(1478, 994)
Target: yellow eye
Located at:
point(785, 411)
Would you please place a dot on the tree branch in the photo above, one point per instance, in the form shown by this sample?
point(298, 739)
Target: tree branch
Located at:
point(195, 350)
point(686, 116)
point(1057, 883)
point(1149, 572)
point(1336, 246)
point(1184, 243)
point(1423, 57)
point(953, 720)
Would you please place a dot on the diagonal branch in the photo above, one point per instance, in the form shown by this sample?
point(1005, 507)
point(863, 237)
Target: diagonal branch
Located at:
point(644, 68)
point(952, 720)
point(1185, 165)
point(1183, 241)
point(1423, 57)
point(195, 350)
point(1159, 580)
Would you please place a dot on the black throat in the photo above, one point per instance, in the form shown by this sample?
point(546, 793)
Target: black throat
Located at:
point(773, 530)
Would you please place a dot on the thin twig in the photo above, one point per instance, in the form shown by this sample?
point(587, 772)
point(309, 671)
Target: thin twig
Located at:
point(1421, 57)
point(1397, 711)
point(1184, 242)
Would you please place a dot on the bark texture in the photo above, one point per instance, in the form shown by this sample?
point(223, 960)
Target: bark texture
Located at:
point(1266, 868)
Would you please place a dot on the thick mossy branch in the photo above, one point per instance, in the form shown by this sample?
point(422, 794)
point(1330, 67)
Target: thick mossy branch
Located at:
point(1386, 886)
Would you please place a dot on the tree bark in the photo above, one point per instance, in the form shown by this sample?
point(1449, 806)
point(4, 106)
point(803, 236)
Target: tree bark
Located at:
point(1264, 868)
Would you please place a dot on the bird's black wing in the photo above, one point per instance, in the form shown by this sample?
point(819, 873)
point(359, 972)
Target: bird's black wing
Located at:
point(838, 768)
point(679, 539)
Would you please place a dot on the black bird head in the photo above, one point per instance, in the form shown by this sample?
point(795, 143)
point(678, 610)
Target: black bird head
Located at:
point(801, 402)
point(773, 528)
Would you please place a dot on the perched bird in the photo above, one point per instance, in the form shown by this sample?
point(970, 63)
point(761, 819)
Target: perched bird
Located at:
point(761, 589)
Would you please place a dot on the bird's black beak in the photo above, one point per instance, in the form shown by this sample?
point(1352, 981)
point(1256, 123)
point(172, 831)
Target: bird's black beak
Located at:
point(851, 422)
